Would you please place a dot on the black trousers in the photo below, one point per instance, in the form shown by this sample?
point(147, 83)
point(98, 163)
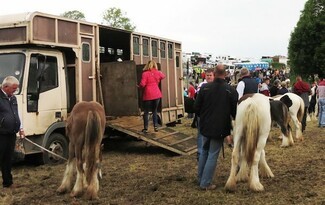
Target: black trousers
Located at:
point(150, 105)
point(7, 147)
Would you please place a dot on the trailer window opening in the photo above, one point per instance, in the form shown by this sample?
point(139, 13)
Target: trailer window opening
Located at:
point(86, 52)
point(170, 50)
point(110, 51)
point(136, 45)
point(162, 49)
point(154, 48)
point(177, 62)
point(145, 46)
point(119, 52)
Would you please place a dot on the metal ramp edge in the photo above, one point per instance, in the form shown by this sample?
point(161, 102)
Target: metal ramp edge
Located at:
point(166, 137)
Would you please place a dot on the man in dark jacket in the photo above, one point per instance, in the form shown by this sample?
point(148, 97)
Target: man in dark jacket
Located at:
point(216, 103)
point(9, 126)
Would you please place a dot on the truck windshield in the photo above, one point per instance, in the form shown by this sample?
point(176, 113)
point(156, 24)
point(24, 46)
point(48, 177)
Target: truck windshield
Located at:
point(12, 64)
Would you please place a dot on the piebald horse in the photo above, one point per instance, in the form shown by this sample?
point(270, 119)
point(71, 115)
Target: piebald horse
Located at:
point(85, 128)
point(252, 127)
point(296, 110)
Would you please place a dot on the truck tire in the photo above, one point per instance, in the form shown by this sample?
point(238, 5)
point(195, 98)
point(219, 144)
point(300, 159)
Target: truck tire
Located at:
point(58, 144)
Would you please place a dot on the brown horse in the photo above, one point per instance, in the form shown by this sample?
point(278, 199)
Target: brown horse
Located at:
point(85, 128)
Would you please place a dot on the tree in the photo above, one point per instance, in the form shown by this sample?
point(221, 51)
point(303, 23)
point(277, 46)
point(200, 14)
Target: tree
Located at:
point(115, 18)
point(76, 15)
point(307, 42)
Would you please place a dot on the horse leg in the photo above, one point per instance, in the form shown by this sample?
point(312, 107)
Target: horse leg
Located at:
point(264, 167)
point(93, 187)
point(288, 141)
point(242, 175)
point(298, 127)
point(254, 181)
point(78, 187)
point(68, 174)
point(231, 182)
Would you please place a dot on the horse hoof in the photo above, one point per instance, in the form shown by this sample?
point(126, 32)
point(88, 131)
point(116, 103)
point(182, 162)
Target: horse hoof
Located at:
point(61, 190)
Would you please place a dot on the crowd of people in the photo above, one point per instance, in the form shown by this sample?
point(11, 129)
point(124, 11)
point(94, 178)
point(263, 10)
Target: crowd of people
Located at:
point(215, 102)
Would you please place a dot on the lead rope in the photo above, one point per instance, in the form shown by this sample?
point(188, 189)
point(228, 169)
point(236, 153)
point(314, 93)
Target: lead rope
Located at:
point(39, 146)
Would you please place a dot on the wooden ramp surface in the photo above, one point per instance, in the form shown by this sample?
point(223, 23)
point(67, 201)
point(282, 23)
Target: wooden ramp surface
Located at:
point(166, 137)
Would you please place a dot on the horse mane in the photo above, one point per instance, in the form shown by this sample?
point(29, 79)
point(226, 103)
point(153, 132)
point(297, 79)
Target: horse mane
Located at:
point(93, 137)
point(250, 130)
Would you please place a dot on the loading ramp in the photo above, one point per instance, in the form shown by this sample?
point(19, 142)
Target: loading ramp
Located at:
point(166, 137)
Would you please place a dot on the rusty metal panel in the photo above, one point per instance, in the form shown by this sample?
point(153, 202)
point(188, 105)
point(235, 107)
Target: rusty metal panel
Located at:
point(67, 32)
point(164, 84)
point(120, 92)
point(44, 29)
point(86, 29)
point(9, 35)
point(172, 83)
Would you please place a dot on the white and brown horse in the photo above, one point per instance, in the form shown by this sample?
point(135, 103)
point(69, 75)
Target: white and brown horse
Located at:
point(252, 128)
point(280, 114)
point(296, 107)
point(85, 128)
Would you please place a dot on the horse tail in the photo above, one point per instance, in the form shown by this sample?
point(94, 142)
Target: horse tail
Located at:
point(92, 139)
point(301, 110)
point(250, 130)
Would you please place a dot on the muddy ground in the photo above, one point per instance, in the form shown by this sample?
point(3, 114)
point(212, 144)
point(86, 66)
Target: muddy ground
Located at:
point(137, 173)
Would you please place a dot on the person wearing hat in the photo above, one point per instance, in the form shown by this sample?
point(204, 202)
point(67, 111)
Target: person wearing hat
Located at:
point(247, 84)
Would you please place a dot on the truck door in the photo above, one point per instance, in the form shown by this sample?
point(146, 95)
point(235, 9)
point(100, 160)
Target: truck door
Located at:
point(46, 96)
point(87, 69)
point(120, 93)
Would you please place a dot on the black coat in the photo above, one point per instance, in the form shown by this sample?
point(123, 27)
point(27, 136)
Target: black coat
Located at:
point(216, 103)
point(9, 118)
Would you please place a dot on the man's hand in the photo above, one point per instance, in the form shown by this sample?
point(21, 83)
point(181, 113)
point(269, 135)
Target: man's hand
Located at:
point(22, 133)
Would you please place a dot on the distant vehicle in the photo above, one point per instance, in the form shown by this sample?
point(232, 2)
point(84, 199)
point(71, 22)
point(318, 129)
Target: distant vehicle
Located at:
point(252, 66)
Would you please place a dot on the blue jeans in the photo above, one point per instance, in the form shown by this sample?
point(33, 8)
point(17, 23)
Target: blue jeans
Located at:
point(208, 160)
point(153, 106)
point(321, 114)
point(199, 139)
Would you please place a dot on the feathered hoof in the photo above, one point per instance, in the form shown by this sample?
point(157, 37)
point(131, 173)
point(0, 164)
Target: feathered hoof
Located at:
point(284, 145)
point(257, 187)
point(91, 196)
point(230, 187)
point(75, 194)
point(61, 190)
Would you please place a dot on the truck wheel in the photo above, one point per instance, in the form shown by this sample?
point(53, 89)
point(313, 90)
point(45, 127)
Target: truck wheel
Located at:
point(58, 144)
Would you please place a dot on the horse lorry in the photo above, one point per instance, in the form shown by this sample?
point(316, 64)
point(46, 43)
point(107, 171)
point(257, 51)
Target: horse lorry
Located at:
point(60, 62)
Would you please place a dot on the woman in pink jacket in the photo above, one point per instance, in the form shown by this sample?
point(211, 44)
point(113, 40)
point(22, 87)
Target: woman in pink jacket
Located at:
point(150, 80)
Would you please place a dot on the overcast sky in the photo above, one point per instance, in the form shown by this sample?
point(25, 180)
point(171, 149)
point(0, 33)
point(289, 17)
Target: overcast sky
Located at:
point(240, 28)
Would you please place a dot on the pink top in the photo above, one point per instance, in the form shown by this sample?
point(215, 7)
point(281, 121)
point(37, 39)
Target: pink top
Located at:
point(321, 89)
point(150, 82)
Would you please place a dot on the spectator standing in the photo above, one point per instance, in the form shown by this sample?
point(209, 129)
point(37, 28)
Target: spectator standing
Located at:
point(302, 89)
point(247, 84)
point(283, 89)
point(150, 80)
point(264, 89)
point(9, 126)
point(216, 104)
point(209, 79)
point(191, 97)
point(321, 102)
point(275, 87)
